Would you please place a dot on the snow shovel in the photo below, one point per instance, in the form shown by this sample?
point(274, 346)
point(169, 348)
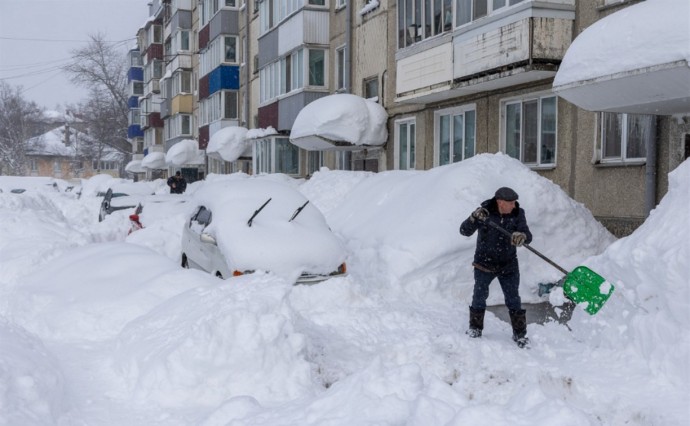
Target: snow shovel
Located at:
point(582, 285)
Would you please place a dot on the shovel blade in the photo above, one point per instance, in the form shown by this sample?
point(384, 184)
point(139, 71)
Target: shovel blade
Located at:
point(583, 285)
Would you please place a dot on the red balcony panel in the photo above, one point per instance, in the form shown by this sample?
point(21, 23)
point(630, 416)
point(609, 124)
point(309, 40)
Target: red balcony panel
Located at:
point(203, 137)
point(203, 87)
point(268, 116)
point(155, 51)
point(204, 35)
point(155, 119)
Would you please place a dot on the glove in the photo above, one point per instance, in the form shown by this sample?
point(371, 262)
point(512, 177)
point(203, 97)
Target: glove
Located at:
point(480, 214)
point(518, 238)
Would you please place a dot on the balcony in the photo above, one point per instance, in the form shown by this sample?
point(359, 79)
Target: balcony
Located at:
point(525, 43)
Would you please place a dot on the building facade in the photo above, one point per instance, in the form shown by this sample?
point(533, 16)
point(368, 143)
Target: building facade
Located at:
point(456, 77)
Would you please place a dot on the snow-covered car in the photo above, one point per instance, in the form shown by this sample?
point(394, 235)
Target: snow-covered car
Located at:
point(258, 224)
point(138, 196)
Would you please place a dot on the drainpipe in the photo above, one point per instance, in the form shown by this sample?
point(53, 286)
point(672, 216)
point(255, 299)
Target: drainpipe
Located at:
point(246, 64)
point(650, 177)
point(348, 45)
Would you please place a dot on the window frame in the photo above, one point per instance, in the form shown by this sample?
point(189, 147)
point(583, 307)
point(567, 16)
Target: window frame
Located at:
point(539, 97)
point(411, 148)
point(340, 68)
point(625, 136)
point(266, 159)
point(463, 111)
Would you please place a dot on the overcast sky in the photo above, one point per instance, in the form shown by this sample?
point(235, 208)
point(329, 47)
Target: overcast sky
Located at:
point(36, 37)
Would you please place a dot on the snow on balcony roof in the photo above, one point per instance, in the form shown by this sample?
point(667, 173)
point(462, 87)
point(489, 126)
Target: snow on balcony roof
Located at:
point(634, 60)
point(185, 151)
point(134, 166)
point(229, 144)
point(154, 160)
point(340, 122)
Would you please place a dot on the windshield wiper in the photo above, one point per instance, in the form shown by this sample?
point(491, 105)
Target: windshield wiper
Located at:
point(298, 211)
point(249, 222)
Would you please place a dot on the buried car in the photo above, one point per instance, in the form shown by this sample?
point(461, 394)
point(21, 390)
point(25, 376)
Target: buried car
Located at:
point(141, 196)
point(257, 224)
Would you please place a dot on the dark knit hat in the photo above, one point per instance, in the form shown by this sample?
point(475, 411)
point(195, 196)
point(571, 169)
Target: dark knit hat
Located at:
point(506, 194)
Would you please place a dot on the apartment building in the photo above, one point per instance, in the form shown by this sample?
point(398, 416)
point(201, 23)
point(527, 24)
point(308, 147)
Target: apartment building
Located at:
point(135, 134)
point(456, 77)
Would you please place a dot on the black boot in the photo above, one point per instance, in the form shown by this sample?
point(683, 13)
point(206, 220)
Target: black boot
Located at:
point(476, 322)
point(518, 319)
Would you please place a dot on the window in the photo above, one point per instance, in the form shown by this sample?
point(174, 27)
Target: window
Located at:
point(183, 43)
point(221, 105)
point(530, 130)
point(271, 12)
point(135, 58)
point(405, 144)
point(281, 77)
point(340, 68)
point(624, 137)
point(371, 88)
point(317, 2)
point(32, 165)
point(421, 19)
point(182, 83)
point(276, 155)
point(56, 167)
point(317, 67)
point(454, 135)
point(222, 50)
point(155, 34)
point(153, 70)
point(230, 46)
point(134, 117)
point(314, 161)
point(178, 125)
point(137, 88)
point(343, 160)
point(339, 4)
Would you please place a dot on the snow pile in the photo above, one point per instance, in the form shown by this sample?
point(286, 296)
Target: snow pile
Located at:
point(229, 144)
point(184, 152)
point(114, 333)
point(422, 248)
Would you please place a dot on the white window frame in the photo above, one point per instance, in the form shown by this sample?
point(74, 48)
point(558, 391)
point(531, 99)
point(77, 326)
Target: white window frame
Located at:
point(624, 120)
point(266, 158)
point(461, 111)
point(410, 154)
point(343, 160)
point(340, 68)
point(273, 77)
point(314, 161)
point(182, 83)
point(365, 84)
point(541, 131)
point(324, 71)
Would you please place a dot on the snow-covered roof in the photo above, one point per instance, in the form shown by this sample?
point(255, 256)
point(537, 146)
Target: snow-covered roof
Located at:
point(52, 143)
point(627, 62)
point(340, 122)
point(134, 166)
point(184, 152)
point(154, 160)
point(229, 144)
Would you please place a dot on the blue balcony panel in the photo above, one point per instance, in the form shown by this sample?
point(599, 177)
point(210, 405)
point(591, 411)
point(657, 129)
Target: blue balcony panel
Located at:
point(135, 74)
point(224, 77)
point(134, 131)
point(133, 102)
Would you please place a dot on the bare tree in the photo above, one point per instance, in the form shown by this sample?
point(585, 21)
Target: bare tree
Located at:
point(19, 121)
point(97, 113)
point(102, 68)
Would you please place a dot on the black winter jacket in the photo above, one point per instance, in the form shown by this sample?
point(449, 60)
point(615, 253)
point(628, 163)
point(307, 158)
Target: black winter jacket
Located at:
point(494, 250)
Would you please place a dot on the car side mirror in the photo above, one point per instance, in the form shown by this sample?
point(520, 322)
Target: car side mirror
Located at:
point(207, 238)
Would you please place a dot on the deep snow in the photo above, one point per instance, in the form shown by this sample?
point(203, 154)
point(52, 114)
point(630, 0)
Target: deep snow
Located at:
point(101, 328)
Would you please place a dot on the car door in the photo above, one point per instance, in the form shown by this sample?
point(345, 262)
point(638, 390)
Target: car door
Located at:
point(201, 247)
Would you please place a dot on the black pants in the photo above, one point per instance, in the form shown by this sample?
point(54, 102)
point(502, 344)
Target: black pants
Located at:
point(509, 280)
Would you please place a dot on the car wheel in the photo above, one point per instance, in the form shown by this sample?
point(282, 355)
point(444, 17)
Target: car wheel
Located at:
point(185, 262)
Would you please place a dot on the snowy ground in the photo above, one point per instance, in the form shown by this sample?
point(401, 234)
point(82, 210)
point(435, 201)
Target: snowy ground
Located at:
point(101, 328)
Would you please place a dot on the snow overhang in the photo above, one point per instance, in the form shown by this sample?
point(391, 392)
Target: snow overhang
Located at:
point(340, 122)
point(229, 144)
point(183, 152)
point(134, 166)
point(660, 90)
point(627, 62)
point(154, 160)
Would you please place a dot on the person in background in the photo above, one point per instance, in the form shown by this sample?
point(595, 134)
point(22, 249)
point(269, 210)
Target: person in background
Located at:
point(496, 257)
point(177, 184)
